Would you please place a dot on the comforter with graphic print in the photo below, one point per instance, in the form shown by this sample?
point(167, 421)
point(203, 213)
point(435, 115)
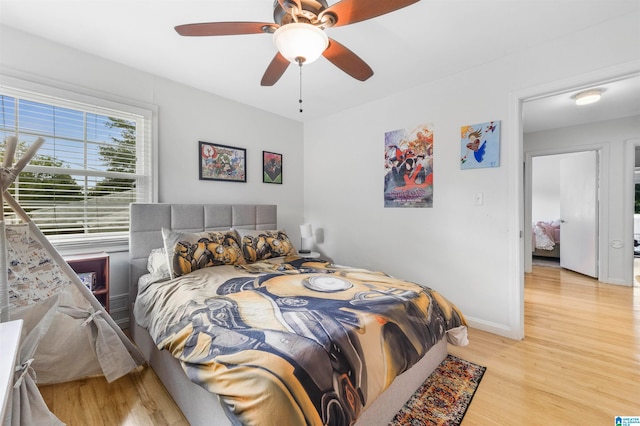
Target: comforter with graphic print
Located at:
point(293, 341)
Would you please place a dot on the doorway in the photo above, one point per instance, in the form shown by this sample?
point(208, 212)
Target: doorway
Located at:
point(564, 211)
point(636, 214)
point(520, 118)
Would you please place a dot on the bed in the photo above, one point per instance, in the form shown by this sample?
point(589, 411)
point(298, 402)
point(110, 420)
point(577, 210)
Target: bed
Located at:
point(546, 239)
point(310, 362)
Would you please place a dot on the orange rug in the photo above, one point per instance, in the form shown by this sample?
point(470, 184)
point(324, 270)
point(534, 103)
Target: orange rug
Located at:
point(443, 399)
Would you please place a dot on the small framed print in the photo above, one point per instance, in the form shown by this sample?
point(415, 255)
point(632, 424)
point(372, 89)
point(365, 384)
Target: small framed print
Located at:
point(271, 167)
point(222, 162)
point(480, 145)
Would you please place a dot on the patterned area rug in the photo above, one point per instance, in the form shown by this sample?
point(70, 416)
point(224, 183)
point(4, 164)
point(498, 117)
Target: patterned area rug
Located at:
point(444, 397)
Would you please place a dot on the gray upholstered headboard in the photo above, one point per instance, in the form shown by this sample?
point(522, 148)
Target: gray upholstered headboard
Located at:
point(147, 221)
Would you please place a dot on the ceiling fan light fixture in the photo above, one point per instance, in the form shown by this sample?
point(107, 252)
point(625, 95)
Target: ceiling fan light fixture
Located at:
point(588, 97)
point(300, 42)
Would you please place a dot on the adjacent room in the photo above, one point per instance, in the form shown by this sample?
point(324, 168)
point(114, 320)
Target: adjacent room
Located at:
point(315, 212)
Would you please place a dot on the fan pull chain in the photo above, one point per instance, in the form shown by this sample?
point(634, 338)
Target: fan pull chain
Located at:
point(300, 100)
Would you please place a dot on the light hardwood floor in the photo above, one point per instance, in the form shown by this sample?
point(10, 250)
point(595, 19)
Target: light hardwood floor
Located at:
point(578, 364)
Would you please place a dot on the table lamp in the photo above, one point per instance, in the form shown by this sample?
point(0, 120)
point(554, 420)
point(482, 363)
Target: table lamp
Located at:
point(305, 232)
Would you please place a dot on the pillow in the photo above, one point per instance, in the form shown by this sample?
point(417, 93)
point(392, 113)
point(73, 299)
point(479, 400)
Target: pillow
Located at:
point(260, 245)
point(157, 263)
point(187, 252)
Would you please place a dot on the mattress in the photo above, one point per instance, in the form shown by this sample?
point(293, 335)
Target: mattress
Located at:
point(293, 340)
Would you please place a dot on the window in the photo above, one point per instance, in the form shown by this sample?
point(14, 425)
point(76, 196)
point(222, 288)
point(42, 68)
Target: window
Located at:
point(95, 161)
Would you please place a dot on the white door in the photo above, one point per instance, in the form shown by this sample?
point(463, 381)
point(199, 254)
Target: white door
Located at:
point(579, 213)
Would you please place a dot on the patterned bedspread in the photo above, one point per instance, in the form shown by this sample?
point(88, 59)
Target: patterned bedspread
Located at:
point(292, 341)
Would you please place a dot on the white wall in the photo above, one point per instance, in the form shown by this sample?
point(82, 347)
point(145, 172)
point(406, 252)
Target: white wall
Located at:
point(609, 137)
point(456, 247)
point(185, 116)
point(545, 188)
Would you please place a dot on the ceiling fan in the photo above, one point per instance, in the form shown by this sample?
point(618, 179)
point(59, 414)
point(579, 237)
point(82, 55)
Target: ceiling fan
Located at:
point(298, 32)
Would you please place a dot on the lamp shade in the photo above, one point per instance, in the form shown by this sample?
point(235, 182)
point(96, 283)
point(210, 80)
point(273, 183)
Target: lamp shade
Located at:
point(299, 41)
point(306, 231)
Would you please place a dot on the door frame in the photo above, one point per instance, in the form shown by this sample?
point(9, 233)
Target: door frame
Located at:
point(629, 201)
point(516, 171)
point(602, 153)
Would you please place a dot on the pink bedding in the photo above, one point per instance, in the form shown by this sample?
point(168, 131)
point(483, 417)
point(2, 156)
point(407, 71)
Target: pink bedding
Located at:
point(545, 235)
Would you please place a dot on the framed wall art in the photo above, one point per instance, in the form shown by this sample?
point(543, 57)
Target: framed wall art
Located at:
point(271, 167)
point(480, 145)
point(408, 167)
point(222, 162)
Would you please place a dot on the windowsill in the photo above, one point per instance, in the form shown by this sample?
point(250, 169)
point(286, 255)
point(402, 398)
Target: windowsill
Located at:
point(79, 246)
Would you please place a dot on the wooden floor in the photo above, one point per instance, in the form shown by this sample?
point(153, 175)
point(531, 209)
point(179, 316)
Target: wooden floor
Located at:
point(578, 364)
point(138, 399)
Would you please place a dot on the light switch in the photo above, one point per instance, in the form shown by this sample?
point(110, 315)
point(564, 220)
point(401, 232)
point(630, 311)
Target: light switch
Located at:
point(478, 199)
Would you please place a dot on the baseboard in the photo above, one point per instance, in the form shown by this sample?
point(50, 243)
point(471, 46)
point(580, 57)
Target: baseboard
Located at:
point(492, 327)
point(119, 310)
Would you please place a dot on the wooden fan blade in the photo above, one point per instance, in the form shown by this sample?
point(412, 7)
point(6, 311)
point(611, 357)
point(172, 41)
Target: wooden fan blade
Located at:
point(274, 71)
point(225, 28)
point(352, 11)
point(347, 61)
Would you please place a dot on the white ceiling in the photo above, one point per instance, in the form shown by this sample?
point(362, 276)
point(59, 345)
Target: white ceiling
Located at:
point(421, 43)
point(620, 99)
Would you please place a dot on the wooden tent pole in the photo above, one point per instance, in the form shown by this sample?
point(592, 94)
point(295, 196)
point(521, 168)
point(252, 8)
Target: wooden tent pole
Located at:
point(6, 177)
point(9, 151)
point(4, 273)
point(16, 207)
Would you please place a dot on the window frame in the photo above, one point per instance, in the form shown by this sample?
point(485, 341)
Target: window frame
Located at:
point(69, 96)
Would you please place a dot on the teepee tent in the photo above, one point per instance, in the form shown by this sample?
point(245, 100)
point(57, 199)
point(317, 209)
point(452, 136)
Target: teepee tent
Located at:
point(66, 334)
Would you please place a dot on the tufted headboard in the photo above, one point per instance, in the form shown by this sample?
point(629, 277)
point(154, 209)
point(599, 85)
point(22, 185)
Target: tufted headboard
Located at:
point(147, 221)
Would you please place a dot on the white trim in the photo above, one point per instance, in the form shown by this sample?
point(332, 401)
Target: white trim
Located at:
point(629, 206)
point(41, 89)
point(492, 327)
point(120, 313)
point(101, 243)
point(39, 85)
point(516, 247)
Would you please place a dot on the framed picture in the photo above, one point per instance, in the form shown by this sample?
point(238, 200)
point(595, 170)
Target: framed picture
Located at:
point(480, 145)
point(408, 167)
point(222, 162)
point(271, 167)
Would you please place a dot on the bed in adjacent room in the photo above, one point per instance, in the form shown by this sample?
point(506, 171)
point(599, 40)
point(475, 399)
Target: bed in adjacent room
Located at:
point(546, 239)
point(241, 330)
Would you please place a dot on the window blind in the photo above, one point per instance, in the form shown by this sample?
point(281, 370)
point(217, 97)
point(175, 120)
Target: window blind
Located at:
point(95, 161)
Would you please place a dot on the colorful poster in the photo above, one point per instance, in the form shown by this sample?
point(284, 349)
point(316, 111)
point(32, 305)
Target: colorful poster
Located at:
point(271, 167)
point(222, 162)
point(408, 167)
point(480, 145)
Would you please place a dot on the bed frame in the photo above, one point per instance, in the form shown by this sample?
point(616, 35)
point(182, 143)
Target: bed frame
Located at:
point(555, 253)
point(199, 406)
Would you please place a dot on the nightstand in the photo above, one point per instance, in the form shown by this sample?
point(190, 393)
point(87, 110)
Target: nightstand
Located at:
point(95, 266)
